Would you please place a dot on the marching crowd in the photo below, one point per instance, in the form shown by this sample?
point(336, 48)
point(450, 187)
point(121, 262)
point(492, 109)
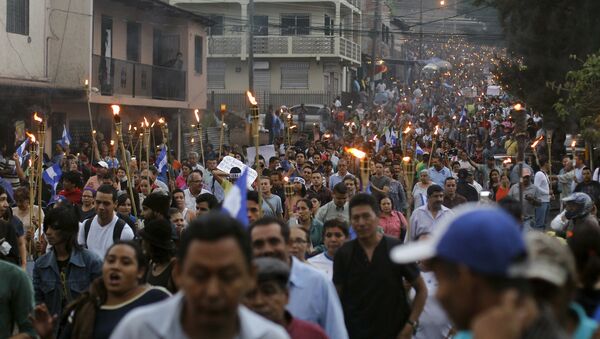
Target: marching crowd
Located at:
point(444, 228)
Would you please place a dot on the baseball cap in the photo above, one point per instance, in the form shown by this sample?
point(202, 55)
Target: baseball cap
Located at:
point(547, 259)
point(101, 163)
point(485, 239)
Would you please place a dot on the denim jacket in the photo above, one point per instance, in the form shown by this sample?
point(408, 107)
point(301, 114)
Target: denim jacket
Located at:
point(84, 266)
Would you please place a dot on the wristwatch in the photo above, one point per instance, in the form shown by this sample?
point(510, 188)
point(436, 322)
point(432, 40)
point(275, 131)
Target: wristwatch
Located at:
point(414, 324)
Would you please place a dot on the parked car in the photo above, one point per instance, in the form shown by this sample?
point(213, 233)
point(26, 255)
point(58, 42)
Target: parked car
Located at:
point(312, 114)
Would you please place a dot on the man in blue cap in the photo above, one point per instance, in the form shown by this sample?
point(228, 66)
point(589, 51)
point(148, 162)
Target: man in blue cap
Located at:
point(472, 255)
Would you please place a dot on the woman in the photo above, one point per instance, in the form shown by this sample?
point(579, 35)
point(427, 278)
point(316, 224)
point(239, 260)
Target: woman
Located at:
point(393, 222)
point(299, 192)
point(123, 209)
point(181, 180)
point(144, 189)
point(419, 192)
point(503, 188)
point(160, 249)
point(300, 243)
point(19, 253)
point(67, 270)
point(21, 211)
point(88, 204)
point(179, 203)
point(313, 227)
point(97, 312)
point(316, 204)
point(494, 182)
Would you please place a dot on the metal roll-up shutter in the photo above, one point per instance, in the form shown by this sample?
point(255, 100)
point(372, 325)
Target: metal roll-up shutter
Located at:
point(294, 75)
point(215, 74)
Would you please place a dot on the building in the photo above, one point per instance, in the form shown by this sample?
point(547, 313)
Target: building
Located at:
point(304, 51)
point(73, 59)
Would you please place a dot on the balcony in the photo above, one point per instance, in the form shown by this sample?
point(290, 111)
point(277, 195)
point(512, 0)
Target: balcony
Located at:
point(286, 46)
point(114, 77)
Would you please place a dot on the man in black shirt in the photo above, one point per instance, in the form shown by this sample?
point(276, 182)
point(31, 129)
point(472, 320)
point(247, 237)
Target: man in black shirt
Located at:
point(370, 285)
point(589, 187)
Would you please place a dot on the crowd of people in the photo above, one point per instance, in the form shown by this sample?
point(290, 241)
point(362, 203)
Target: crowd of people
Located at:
point(453, 224)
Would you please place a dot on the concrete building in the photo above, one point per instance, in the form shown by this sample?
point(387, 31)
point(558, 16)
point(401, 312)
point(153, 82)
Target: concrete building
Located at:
point(304, 50)
point(145, 55)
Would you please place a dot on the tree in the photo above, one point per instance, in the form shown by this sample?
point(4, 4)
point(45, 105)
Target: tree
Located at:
point(541, 36)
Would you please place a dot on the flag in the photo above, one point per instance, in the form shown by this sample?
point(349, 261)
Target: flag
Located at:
point(419, 150)
point(66, 138)
point(161, 162)
point(22, 151)
point(393, 137)
point(235, 200)
point(52, 176)
point(8, 188)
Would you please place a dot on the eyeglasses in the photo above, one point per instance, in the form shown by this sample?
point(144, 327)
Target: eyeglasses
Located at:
point(334, 234)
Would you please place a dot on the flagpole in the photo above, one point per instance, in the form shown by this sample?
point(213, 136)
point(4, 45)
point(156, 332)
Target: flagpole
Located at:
point(40, 184)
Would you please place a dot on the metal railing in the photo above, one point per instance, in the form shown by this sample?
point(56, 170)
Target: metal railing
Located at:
point(113, 76)
point(238, 102)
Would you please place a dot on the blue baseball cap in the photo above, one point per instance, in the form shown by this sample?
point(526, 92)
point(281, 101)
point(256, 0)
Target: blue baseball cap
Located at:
point(485, 239)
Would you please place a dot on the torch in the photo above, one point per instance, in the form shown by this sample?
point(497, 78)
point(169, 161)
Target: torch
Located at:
point(141, 144)
point(290, 121)
point(41, 137)
point(255, 131)
point(549, 145)
point(147, 135)
point(223, 110)
point(32, 159)
point(534, 148)
point(289, 193)
point(199, 129)
point(118, 131)
point(409, 175)
point(405, 141)
point(364, 166)
point(435, 134)
point(130, 134)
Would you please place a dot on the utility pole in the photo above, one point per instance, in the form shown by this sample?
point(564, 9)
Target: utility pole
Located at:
point(251, 47)
point(374, 37)
point(421, 30)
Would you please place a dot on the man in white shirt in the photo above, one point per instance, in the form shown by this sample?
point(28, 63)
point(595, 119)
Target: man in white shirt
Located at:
point(335, 233)
point(542, 182)
point(152, 174)
point(195, 188)
point(100, 232)
point(342, 172)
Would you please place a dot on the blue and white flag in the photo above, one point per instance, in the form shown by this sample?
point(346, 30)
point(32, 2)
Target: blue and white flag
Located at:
point(235, 200)
point(419, 150)
point(52, 176)
point(66, 137)
point(161, 162)
point(22, 151)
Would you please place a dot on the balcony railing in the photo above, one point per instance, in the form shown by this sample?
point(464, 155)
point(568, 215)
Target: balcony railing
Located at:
point(121, 77)
point(286, 46)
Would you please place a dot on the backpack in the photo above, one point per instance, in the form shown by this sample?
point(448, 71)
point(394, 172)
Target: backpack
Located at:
point(119, 226)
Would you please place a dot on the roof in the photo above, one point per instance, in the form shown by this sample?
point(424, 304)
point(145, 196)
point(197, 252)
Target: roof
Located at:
point(149, 5)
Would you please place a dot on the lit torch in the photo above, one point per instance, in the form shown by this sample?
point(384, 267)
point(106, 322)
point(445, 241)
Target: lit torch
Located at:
point(364, 165)
point(124, 160)
point(255, 130)
point(41, 138)
point(433, 144)
point(200, 136)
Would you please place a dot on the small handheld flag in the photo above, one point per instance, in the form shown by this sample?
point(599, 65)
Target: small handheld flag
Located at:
point(235, 200)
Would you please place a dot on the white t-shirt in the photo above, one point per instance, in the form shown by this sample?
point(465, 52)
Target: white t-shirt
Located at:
point(433, 321)
point(100, 238)
point(323, 264)
point(190, 199)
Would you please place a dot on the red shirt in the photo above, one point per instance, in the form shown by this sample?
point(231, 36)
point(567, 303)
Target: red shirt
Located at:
point(300, 329)
point(73, 196)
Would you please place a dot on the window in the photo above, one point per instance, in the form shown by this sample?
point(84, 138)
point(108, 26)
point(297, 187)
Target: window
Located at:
point(17, 16)
point(198, 54)
point(329, 25)
point(261, 25)
point(295, 24)
point(134, 38)
point(215, 74)
point(217, 28)
point(294, 75)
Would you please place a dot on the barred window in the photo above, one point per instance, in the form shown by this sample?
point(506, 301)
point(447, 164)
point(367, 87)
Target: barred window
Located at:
point(17, 16)
point(294, 75)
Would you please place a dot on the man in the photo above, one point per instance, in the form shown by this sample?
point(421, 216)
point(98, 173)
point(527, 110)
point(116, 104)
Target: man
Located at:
point(213, 271)
point(270, 296)
point(302, 111)
point(472, 261)
point(380, 184)
point(351, 184)
point(328, 172)
point(16, 293)
point(335, 233)
point(101, 168)
point(485, 169)
point(342, 172)
point(195, 188)
point(438, 172)
point(471, 181)
point(210, 182)
point(451, 198)
point(464, 188)
point(298, 172)
point(106, 228)
point(566, 178)
point(312, 296)
point(542, 182)
point(152, 173)
point(71, 182)
point(589, 187)
point(578, 213)
point(318, 189)
point(156, 206)
point(252, 206)
point(277, 183)
point(367, 280)
point(531, 198)
point(424, 219)
point(271, 203)
point(205, 203)
point(193, 161)
point(337, 208)
point(307, 172)
point(578, 167)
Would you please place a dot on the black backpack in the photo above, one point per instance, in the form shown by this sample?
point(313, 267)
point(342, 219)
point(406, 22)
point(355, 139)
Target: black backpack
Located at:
point(119, 226)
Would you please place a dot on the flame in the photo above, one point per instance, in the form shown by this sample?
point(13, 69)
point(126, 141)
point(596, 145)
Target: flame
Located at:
point(142, 124)
point(197, 115)
point(94, 132)
point(574, 143)
point(286, 179)
point(161, 120)
point(251, 98)
point(518, 107)
point(537, 141)
point(37, 118)
point(112, 142)
point(289, 116)
point(152, 124)
point(86, 82)
point(192, 140)
point(116, 109)
point(146, 122)
point(406, 130)
point(129, 129)
point(135, 128)
point(507, 161)
point(356, 152)
point(437, 129)
point(406, 159)
point(31, 136)
point(326, 135)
